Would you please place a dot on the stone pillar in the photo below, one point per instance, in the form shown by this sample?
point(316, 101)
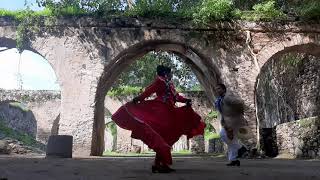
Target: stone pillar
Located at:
point(77, 115)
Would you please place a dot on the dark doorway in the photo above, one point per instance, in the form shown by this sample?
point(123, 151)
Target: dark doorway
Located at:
point(269, 141)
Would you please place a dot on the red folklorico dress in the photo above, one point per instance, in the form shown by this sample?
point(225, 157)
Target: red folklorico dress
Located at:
point(158, 122)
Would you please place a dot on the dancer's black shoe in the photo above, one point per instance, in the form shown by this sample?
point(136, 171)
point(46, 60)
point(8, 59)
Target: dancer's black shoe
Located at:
point(234, 163)
point(162, 169)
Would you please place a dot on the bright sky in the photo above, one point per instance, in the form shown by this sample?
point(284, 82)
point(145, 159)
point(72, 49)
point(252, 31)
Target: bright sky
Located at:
point(18, 4)
point(35, 72)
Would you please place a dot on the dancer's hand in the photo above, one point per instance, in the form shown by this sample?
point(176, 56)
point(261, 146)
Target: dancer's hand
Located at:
point(188, 102)
point(135, 100)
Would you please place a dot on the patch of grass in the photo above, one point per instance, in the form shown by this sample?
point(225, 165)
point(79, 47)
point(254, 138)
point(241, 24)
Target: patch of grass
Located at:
point(10, 133)
point(181, 152)
point(116, 154)
point(22, 14)
point(147, 153)
point(4, 12)
point(152, 154)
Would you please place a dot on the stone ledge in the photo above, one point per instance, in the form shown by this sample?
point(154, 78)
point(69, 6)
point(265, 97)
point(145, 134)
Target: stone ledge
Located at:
point(29, 95)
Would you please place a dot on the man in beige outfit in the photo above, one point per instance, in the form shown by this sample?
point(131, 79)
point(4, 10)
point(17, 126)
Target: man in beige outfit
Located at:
point(231, 119)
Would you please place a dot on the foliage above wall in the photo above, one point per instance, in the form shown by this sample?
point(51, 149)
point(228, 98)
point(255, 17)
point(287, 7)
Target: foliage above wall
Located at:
point(198, 11)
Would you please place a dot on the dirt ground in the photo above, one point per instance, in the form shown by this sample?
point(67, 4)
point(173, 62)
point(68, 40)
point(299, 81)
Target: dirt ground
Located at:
point(139, 168)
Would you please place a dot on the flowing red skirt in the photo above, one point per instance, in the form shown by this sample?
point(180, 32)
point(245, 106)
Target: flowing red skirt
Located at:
point(158, 124)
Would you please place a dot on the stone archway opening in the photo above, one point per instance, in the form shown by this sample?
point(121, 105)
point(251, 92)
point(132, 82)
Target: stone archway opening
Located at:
point(287, 93)
point(207, 75)
point(30, 80)
point(132, 81)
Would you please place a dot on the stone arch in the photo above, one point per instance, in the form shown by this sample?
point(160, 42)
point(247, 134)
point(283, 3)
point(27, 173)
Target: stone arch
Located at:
point(298, 43)
point(77, 63)
point(11, 43)
point(206, 72)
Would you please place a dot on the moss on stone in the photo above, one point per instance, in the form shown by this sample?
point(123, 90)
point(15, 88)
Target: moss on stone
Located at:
point(19, 106)
point(307, 122)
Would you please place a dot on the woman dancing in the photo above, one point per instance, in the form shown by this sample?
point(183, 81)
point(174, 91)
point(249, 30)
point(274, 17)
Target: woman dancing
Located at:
point(158, 122)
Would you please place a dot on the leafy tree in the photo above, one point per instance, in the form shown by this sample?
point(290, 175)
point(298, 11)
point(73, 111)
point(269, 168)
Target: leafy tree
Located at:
point(212, 10)
point(142, 72)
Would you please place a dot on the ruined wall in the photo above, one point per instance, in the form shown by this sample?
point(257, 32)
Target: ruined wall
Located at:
point(89, 53)
point(300, 138)
point(33, 112)
point(288, 89)
point(17, 116)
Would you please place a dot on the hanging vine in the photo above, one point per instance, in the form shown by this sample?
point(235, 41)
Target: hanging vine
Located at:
point(29, 24)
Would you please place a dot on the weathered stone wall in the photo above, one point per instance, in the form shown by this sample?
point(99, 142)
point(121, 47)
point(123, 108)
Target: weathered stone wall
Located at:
point(215, 146)
point(89, 54)
point(288, 89)
point(33, 113)
point(17, 116)
point(300, 138)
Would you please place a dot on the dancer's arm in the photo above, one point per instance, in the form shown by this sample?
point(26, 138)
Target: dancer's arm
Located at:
point(178, 97)
point(149, 90)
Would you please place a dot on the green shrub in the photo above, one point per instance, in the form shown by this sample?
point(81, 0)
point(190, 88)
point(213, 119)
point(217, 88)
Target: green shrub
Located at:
point(69, 11)
point(4, 12)
point(212, 114)
point(209, 131)
point(310, 10)
point(212, 136)
point(112, 127)
point(265, 11)
point(124, 91)
point(153, 8)
point(213, 10)
point(20, 15)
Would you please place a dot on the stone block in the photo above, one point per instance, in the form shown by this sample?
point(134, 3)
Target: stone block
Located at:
point(59, 146)
point(4, 147)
